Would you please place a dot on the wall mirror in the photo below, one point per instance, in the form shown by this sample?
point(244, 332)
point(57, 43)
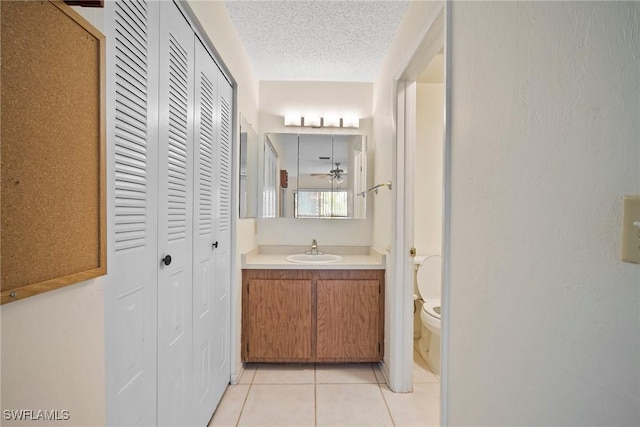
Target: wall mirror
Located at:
point(314, 176)
point(248, 170)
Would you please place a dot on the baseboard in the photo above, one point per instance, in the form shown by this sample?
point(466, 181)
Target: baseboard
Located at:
point(235, 376)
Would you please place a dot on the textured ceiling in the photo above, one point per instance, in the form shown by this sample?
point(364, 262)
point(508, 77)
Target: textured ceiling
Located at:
point(316, 40)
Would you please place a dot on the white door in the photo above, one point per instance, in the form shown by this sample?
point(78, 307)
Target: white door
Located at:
point(175, 206)
point(166, 319)
point(204, 239)
point(130, 294)
point(222, 302)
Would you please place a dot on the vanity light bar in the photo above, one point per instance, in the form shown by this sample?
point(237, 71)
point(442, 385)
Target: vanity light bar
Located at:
point(347, 122)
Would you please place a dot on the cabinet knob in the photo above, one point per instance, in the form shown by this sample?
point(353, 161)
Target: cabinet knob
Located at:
point(166, 260)
point(215, 245)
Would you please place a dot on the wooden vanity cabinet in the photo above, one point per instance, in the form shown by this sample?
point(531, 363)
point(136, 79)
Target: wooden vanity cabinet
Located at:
point(312, 315)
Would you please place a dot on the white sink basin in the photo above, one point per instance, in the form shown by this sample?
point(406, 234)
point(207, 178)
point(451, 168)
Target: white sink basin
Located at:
point(314, 259)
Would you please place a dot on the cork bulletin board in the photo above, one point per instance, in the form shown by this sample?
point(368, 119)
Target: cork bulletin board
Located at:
point(52, 156)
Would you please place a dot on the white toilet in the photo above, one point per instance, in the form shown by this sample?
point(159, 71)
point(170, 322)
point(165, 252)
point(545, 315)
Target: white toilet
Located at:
point(429, 282)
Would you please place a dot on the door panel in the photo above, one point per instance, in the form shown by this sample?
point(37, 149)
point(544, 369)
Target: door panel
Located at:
point(280, 323)
point(222, 283)
point(175, 209)
point(131, 296)
point(348, 319)
point(205, 342)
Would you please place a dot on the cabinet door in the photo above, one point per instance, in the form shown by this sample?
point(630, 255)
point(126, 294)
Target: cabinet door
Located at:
point(348, 320)
point(279, 320)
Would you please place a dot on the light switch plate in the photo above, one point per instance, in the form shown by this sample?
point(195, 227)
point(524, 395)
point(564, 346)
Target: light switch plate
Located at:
point(630, 232)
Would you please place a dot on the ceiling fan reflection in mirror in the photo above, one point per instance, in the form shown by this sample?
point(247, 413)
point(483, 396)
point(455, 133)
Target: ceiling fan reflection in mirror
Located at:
point(335, 173)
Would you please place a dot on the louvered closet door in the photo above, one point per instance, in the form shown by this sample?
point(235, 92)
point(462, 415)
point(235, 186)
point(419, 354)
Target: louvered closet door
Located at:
point(222, 307)
point(205, 344)
point(175, 210)
point(130, 294)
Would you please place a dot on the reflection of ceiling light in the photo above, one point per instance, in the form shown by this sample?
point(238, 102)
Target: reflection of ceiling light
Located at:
point(351, 122)
point(313, 121)
point(330, 121)
point(292, 120)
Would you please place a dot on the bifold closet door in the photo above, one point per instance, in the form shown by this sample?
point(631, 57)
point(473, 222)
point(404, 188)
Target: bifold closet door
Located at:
point(205, 243)
point(175, 211)
point(222, 308)
point(167, 305)
point(212, 193)
point(131, 292)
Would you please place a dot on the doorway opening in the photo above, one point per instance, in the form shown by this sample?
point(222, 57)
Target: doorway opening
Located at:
point(427, 225)
point(422, 171)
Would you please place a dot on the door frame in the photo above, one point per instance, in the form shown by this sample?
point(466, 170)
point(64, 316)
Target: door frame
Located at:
point(436, 36)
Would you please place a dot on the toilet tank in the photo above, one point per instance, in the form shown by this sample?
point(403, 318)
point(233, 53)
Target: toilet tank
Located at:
point(429, 277)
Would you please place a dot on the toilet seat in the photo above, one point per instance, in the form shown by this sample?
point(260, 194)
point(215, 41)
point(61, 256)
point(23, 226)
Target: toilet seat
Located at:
point(429, 277)
point(429, 281)
point(431, 319)
point(430, 305)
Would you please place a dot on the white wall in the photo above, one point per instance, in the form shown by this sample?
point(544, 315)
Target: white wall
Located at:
point(53, 354)
point(417, 17)
point(428, 173)
point(545, 318)
point(341, 98)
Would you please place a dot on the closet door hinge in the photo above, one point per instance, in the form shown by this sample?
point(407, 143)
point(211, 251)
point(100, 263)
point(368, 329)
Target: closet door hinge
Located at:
point(379, 347)
point(247, 288)
point(248, 348)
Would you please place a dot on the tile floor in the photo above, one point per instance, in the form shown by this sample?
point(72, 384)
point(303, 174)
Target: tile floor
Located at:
point(328, 395)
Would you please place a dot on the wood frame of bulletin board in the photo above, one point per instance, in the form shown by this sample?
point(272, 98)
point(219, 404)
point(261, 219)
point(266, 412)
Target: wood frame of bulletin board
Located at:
point(53, 194)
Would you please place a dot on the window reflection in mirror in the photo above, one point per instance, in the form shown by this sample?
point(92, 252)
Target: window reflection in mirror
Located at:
point(248, 170)
point(314, 176)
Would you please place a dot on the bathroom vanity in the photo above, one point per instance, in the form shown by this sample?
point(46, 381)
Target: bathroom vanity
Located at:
point(312, 312)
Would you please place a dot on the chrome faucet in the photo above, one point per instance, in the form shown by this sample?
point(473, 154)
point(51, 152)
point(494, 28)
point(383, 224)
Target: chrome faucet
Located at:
point(314, 248)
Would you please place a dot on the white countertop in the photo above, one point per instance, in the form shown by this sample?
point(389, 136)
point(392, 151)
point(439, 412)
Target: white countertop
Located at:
point(263, 258)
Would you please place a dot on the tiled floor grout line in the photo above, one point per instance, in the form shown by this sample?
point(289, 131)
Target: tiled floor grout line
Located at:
point(315, 395)
point(243, 404)
point(386, 405)
point(246, 397)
